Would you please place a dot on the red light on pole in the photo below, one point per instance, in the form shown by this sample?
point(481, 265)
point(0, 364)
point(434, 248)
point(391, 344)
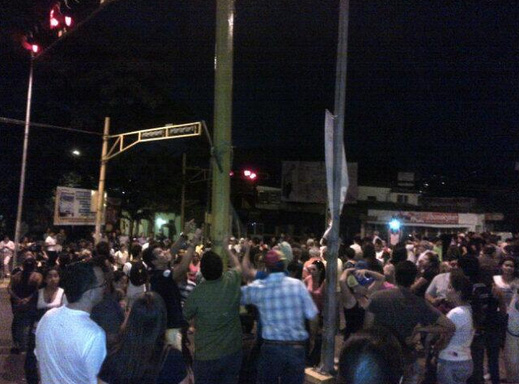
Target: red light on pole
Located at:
point(68, 21)
point(53, 17)
point(250, 175)
point(35, 48)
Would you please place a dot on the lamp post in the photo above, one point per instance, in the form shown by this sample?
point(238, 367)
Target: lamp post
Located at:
point(18, 226)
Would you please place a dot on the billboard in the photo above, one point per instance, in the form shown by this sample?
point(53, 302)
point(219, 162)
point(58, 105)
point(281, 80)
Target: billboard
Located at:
point(305, 182)
point(73, 207)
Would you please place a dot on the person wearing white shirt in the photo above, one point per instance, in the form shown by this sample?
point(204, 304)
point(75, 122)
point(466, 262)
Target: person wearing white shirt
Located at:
point(455, 360)
point(51, 244)
point(121, 256)
point(49, 297)
point(6, 253)
point(70, 347)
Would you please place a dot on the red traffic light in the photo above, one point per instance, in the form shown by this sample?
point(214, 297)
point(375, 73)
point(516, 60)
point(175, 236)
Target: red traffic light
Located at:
point(59, 19)
point(29, 43)
point(54, 16)
point(248, 174)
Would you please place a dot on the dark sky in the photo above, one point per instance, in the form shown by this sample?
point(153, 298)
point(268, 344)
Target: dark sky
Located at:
point(431, 87)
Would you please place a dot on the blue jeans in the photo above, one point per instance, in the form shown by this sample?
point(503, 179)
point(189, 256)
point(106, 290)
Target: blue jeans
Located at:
point(225, 370)
point(285, 362)
point(454, 372)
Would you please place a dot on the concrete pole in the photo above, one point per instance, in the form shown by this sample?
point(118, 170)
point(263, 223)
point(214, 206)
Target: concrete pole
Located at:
point(101, 186)
point(18, 226)
point(221, 187)
point(328, 347)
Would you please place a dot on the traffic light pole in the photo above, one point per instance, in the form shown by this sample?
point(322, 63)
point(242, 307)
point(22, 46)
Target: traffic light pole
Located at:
point(222, 150)
point(18, 226)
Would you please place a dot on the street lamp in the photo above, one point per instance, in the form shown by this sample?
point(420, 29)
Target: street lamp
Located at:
point(76, 152)
point(394, 225)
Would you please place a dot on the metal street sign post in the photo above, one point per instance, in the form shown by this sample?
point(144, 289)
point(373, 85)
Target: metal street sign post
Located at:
point(125, 141)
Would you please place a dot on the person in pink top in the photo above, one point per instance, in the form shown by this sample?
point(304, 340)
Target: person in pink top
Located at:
point(194, 268)
point(315, 283)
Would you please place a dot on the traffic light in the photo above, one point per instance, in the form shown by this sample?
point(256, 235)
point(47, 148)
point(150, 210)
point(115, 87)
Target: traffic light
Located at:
point(60, 18)
point(30, 43)
point(52, 19)
point(250, 175)
point(54, 16)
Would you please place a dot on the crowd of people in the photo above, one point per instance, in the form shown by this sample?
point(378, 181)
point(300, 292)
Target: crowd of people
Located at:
point(125, 310)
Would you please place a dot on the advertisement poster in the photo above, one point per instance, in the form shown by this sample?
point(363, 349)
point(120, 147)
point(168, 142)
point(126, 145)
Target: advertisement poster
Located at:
point(305, 182)
point(73, 207)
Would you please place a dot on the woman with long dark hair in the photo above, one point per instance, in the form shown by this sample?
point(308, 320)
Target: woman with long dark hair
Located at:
point(23, 290)
point(315, 283)
point(49, 297)
point(141, 354)
point(455, 360)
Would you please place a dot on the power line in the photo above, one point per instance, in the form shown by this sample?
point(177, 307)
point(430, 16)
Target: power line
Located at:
point(7, 120)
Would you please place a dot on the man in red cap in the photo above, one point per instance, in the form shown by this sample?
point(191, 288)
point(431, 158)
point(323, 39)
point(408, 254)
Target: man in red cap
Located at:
point(284, 305)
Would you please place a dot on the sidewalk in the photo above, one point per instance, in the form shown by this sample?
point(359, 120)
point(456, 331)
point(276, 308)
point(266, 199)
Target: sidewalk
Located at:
point(11, 366)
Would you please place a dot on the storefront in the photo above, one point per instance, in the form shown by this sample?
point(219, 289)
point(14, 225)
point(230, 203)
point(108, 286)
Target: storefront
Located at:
point(430, 224)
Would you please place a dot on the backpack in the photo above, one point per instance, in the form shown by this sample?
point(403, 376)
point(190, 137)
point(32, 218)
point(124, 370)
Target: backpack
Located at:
point(138, 273)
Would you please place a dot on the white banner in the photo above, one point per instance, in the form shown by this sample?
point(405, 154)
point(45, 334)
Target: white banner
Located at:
point(328, 151)
point(73, 207)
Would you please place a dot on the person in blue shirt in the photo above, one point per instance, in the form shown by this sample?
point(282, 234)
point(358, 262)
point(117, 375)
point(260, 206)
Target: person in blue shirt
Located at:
point(284, 304)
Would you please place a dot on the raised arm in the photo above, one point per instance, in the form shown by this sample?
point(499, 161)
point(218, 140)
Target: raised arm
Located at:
point(420, 282)
point(183, 238)
point(181, 269)
point(233, 259)
point(248, 271)
point(379, 279)
point(348, 299)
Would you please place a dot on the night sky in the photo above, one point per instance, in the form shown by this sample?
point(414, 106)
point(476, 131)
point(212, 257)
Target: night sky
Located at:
point(431, 88)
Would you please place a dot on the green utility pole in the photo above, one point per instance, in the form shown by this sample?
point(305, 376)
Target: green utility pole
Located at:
point(222, 150)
